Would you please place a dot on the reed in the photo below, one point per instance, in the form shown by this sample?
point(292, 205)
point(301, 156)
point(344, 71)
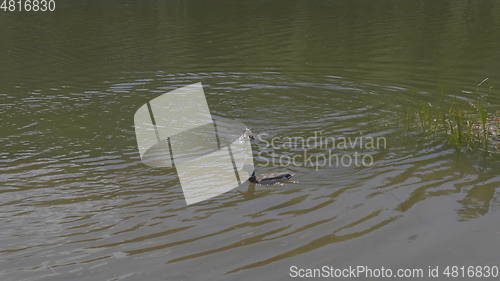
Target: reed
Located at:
point(466, 126)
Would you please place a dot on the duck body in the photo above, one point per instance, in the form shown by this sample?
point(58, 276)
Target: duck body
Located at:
point(270, 178)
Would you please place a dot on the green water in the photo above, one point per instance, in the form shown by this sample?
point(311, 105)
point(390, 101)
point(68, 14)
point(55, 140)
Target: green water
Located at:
point(76, 202)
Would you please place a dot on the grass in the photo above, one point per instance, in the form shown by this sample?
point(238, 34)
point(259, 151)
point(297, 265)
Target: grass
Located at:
point(466, 126)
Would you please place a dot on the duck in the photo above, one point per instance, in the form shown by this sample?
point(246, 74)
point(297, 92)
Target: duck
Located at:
point(270, 178)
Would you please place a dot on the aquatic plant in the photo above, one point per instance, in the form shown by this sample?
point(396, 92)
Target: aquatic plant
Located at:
point(464, 125)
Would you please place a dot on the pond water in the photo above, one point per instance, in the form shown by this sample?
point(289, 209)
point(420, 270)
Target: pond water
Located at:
point(77, 203)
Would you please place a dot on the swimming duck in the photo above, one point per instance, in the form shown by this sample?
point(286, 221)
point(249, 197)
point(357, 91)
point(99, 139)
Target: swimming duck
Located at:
point(270, 178)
